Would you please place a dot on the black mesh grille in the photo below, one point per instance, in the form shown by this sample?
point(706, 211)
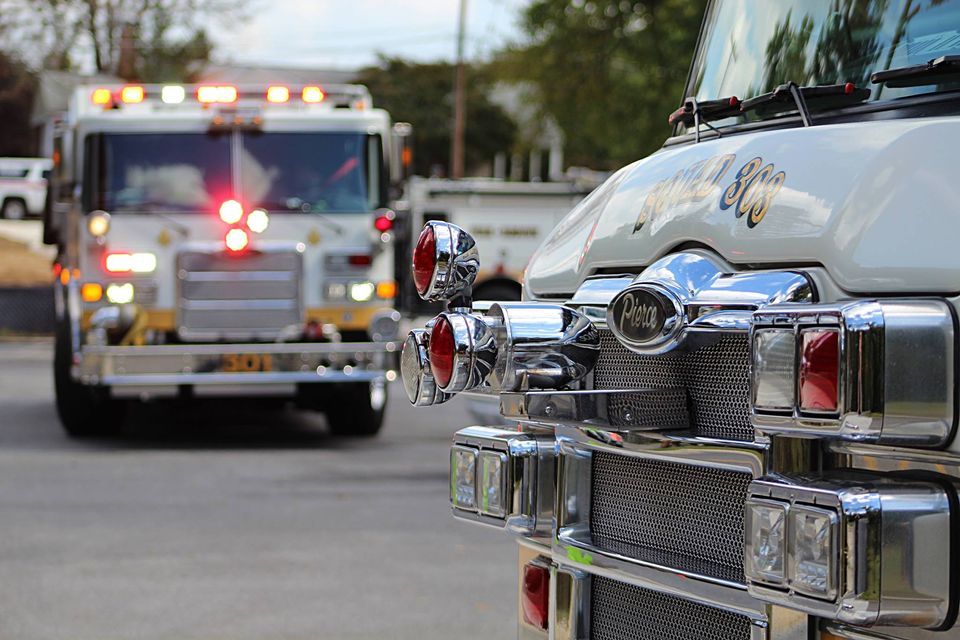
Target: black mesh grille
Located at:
point(624, 612)
point(716, 379)
point(682, 516)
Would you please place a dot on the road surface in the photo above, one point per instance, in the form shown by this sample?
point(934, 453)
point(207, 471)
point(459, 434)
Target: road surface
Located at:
point(236, 522)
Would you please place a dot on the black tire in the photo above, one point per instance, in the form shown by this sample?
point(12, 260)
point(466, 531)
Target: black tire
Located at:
point(356, 409)
point(14, 209)
point(84, 411)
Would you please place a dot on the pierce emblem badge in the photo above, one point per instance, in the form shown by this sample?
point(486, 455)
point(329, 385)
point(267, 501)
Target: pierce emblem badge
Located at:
point(645, 318)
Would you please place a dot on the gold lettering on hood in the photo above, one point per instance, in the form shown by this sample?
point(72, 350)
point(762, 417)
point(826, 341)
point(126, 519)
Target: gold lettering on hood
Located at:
point(693, 184)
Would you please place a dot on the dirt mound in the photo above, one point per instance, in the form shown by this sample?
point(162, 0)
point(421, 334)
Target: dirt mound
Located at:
point(21, 267)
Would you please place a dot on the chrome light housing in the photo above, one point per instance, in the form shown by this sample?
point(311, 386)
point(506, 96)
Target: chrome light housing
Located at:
point(418, 382)
point(445, 262)
point(873, 371)
point(541, 346)
point(858, 548)
point(503, 478)
point(462, 351)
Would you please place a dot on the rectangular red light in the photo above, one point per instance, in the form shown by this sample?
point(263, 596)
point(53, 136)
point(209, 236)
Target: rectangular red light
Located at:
point(278, 94)
point(360, 260)
point(820, 370)
point(535, 596)
point(132, 94)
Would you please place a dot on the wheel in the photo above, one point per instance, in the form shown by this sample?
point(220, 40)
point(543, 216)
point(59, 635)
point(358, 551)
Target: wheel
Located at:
point(355, 409)
point(14, 209)
point(84, 411)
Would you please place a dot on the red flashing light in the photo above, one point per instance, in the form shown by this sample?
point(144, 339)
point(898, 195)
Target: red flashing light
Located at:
point(734, 101)
point(237, 240)
point(278, 94)
point(849, 88)
point(535, 596)
point(820, 370)
point(383, 223)
point(424, 260)
point(312, 94)
point(360, 260)
point(132, 94)
point(442, 350)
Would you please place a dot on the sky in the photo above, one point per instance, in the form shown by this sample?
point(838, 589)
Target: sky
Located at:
point(350, 33)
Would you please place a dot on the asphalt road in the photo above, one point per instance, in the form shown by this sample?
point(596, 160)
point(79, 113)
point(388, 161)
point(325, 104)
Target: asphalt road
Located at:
point(224, 522)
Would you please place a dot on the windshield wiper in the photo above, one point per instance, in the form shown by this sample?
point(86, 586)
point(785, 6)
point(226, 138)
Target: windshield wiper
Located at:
point(825, 96)
point(919, 74)
point(695, 112)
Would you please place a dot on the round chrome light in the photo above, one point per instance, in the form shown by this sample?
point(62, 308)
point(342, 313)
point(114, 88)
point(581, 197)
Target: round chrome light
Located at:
point(418, 382)
point(445, 262)
point(463, 351)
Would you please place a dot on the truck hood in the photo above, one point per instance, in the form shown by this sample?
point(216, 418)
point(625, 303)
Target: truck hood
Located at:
point(877, 204)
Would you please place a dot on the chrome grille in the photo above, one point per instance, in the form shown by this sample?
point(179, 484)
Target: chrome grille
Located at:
point(620, 611)
point(255, 296)
point(716, 378)
point(682, 516)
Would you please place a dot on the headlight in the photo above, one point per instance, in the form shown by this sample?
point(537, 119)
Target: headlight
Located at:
point(336, 291)
point(362, 291)
point(766, 550)
point(859, 548)
point(120, 293)
point(98, 224)
point(499, 477)
point(812, 552)
point(493, 483)
point(463, 478)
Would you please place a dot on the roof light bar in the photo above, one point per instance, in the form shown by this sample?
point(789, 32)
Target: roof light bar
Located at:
point(278, 94)
point(101, 96)
point(224, 94)
point(313, 94)
point(132, 94)
point(173, 94)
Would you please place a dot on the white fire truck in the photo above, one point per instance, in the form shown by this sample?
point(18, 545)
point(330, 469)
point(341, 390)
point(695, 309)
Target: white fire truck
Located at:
point(224, 240)
point(733, 378)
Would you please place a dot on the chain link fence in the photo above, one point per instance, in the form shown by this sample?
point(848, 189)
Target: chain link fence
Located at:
point(27, 310)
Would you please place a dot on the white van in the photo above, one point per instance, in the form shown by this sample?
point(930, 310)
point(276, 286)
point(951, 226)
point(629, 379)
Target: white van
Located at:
point(23, 186)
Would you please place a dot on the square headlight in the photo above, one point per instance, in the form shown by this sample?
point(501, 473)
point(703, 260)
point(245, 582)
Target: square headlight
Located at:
point(766, 548)
point(813, 551)
point(493, 483)
point(463, 478)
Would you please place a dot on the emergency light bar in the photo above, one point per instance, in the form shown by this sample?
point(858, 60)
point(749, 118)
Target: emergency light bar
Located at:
point(118, 97)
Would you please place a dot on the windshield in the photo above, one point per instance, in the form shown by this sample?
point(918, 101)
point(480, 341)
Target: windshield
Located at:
point(311, 172)
point(159, 172)
point(749, 47)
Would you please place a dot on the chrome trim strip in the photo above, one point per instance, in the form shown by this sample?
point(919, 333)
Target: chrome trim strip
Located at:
point(118, 380)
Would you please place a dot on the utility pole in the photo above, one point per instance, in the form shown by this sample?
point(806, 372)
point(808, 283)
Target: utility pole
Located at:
point(460, 100)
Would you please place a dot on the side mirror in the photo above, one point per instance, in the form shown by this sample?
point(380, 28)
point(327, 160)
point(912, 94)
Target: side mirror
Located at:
point(401, 165)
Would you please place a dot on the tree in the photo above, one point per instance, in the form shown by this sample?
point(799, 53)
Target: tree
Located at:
point(422, 94)
point(137, 40)
point(608, 71)
point(17, 89)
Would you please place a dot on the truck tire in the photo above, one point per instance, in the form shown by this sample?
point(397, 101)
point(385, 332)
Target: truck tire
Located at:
point(14, 209)
point(84, 411)
point(355, 409)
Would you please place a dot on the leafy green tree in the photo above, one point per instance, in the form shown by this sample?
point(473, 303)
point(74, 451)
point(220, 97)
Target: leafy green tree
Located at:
point(422, 94)
point(608, 71)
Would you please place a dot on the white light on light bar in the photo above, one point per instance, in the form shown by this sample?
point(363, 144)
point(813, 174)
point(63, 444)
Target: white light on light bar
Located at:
point(173, 94)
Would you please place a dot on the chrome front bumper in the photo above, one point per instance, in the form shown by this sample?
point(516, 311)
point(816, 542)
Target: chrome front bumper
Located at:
point(236, 364)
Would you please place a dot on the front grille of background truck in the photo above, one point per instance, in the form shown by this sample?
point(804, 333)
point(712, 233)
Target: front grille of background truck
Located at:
point(621, 611)
point(716, 379)
point(255, 296)
point(681, 516)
